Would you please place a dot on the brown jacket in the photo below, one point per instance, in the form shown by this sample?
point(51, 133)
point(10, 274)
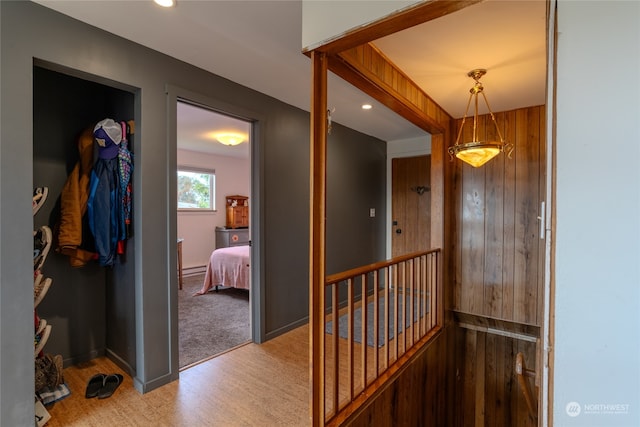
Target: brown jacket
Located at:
point(73, 204)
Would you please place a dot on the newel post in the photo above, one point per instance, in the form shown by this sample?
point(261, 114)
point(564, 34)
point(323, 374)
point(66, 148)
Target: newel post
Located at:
point(318, 184)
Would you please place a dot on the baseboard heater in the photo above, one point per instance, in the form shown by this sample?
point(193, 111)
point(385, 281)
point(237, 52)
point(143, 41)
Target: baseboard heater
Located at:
point(194, 271)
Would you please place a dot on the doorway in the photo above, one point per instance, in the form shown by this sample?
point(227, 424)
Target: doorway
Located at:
point(214, 307)
point(410, 204)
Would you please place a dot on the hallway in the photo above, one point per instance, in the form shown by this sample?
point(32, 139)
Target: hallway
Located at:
point(255, 385)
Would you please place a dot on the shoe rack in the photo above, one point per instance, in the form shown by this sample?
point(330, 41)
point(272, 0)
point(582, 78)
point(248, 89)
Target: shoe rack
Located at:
point(49, 383)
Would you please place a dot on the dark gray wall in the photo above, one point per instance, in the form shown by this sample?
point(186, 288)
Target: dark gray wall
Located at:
point(356, 182)
point(29, 31)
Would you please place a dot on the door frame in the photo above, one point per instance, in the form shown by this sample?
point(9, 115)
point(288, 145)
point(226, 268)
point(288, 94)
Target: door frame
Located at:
point(257, 300)
point(412, 147)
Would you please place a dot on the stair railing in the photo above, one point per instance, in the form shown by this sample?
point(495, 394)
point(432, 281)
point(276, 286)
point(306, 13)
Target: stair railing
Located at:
point(364, 342)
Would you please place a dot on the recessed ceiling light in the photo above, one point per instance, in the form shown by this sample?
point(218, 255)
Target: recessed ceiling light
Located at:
point(367, 106)
point(165, 3)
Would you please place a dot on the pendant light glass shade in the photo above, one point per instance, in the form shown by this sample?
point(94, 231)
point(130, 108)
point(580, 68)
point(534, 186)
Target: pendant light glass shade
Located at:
point(477, 153)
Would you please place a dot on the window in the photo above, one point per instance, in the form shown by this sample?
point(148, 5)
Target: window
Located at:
point(196, 190)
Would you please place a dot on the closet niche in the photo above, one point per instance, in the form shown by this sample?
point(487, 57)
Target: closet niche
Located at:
point(91, 308)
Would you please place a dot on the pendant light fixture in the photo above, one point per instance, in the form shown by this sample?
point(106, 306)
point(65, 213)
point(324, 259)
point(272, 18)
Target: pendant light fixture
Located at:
point(477, 153)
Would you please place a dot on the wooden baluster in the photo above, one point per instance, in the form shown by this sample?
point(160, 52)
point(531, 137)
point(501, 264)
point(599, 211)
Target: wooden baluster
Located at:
point(387, 345)
point(363, 329)
point(410, 306)
point(350, 310)
point(335, 347)
point(396, 315)
point(376, 322)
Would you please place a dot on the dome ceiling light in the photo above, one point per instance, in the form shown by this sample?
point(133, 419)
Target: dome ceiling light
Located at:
point(230, 138)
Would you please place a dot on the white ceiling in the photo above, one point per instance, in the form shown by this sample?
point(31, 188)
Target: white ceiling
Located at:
point(198, 128)
point(507, 38)
point(258, 44)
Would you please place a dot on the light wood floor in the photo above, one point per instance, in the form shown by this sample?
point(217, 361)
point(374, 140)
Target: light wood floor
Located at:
point(254, 385)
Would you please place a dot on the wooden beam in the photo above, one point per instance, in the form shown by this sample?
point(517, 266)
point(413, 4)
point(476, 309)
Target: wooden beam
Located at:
point(398, 21)
point(318, 184)
point(368, 69)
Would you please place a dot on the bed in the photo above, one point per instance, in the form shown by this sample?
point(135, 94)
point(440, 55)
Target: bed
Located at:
point(227, 267)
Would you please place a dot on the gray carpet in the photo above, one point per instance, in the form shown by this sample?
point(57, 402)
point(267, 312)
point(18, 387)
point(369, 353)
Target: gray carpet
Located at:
point(357, 320)
point(212, 323)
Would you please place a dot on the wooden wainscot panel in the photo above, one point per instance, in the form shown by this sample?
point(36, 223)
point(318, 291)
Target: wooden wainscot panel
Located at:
point(486, 385)
point(416, 398)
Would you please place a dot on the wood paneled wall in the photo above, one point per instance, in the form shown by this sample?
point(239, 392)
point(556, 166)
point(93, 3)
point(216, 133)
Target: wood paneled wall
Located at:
point(498, 253)
point(486, 388)
point(498, 270)
point(416, 397)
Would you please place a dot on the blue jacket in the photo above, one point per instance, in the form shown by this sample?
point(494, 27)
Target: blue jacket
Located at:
point(103, 209)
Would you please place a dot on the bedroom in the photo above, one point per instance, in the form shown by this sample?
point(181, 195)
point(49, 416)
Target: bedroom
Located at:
point(226, 171)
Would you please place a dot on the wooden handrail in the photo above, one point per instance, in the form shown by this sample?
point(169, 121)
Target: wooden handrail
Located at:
point(522, 373)
point(333, 278)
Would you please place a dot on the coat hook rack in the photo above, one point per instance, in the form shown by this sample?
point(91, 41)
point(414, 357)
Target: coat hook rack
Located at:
point(420, 189)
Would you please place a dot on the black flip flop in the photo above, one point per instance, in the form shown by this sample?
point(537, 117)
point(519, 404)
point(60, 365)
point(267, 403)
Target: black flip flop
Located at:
point(94, 385)
point(111, 383)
